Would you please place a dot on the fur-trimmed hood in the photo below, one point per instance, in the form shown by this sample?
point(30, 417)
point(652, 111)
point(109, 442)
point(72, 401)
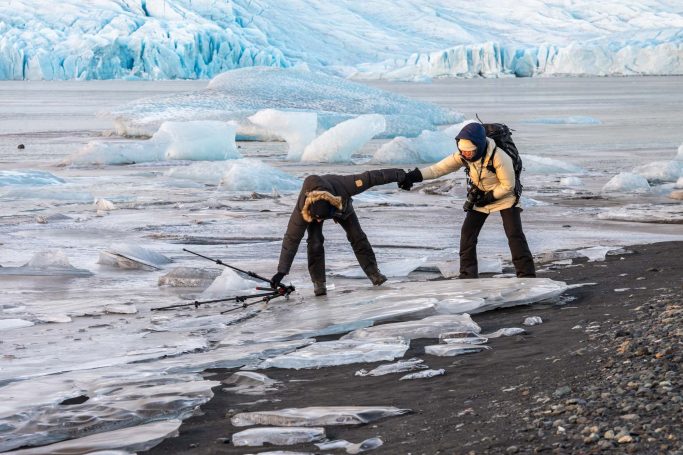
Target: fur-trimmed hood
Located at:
point(318, 195)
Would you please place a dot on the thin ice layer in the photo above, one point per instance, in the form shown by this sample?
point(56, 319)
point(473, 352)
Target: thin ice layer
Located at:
point(277, 436)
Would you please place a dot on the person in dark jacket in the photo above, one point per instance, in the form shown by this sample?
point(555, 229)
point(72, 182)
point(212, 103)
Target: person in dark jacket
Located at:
point(325, 197)
point(493, 179)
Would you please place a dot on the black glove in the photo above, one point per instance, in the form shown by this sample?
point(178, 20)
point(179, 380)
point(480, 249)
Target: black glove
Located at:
point(486, 199)
point(411, 177)
point(276, 280)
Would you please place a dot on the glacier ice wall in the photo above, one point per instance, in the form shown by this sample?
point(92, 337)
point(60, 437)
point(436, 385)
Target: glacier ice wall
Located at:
point(190, 39)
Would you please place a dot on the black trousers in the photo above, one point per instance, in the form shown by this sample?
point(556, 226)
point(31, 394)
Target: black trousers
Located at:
point(512, 223)
point(355, 235)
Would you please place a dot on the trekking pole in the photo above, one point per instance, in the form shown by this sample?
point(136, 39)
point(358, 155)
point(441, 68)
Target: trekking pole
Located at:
point(238, 298)
point(281, 287)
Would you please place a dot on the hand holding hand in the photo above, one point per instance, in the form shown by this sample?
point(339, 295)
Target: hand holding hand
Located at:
point(411, 177)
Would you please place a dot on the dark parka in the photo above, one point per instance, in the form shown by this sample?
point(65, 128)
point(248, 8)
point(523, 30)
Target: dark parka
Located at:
point(337, 190)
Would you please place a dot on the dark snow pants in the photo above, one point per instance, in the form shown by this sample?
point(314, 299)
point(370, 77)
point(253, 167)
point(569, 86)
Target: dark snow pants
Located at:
point(512, 223)
point(355, 235)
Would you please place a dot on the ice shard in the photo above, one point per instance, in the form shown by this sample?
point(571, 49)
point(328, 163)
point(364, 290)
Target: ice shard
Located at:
point(429, 327)
point(399, 367)
point(277, 436)
point(317, 416)
point(249, 383)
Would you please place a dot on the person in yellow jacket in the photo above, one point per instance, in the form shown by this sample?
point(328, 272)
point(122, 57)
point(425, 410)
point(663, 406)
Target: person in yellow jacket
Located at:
point(492, 190)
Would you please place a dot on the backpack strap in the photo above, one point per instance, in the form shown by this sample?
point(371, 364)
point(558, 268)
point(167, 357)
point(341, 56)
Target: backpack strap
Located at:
point(489, 164)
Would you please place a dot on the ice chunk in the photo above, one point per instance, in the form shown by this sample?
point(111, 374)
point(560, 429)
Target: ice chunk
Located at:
point(238, 94)
point(341, 352)
point(627, 182)
point(28, 177)
point(46, 263)
point(129, 256)
point(198, 140)
point(428, 147)
point(392, 269)
point(423, 374)
point(337, 144)
point(571, 181)
point(191, 140)
point(660, 171)
point(135, 439)
point(189, 277)
point(227, 284)
point(504, 332)
point(238, 175)
point(595, 253)
point(104, 205)
point(54, 318)
point(120, 309)
point(368, 444)
point(277, 436)
point(298, 129)
point(317, 416)
point(462, 338)
point(249, 383)
point(533, 320)
point(453, 349)
point(399, 367)
point(429, 327)
point(254, 175)
point(8, 324)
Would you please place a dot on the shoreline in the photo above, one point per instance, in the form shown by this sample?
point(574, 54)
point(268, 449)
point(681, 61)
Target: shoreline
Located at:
point(600, 375)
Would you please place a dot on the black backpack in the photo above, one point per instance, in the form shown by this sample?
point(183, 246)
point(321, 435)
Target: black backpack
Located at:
point(502, 136)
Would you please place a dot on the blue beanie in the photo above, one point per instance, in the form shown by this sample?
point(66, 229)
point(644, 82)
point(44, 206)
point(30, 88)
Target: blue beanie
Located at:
point(476, 133)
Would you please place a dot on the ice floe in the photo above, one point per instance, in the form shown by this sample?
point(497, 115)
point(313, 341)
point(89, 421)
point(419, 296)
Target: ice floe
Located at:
point(425, 374)
point(399, 367)
point(250, 383)
point(28, 177)
point(317, 416)
point(277, 436)
point(453, 349)
point(47, 263)
point(429, 327)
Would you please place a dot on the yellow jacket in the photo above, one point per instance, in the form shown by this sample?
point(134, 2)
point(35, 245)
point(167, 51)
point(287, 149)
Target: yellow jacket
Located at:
point(501, 182)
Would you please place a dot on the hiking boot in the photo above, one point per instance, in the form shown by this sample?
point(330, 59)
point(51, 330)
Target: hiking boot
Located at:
point(377, 278)
point(319, 288)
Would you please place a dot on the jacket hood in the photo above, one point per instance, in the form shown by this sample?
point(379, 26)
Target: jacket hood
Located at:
point(313, 196)
point(476, 133)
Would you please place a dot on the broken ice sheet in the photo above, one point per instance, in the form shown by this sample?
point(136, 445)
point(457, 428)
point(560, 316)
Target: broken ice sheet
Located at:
point(462, 337)
point(424, 374)
point(254, 437)
point(129, 256)
point(399, 367)
point(249, 383)
point(341, 352)
point(134, 439)
point(30, 413)
point(453, 349)
point(317, 416)
point(429, 327)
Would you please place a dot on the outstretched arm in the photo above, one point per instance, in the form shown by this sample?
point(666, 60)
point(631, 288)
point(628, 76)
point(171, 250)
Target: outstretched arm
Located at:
point(447, 165)
point(358, 183)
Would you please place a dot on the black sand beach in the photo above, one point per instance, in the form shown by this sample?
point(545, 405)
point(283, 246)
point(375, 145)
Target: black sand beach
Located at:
point(600, 375)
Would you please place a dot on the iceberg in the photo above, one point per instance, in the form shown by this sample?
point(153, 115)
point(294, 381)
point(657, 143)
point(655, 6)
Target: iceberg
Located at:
point(227, 284)
point(428, 147)
point(298, 129)
point(661, 171)
point(189, 277)
point(47, 263)
point(423, 374)
point(627, 182)
point(340, 142)
point(239, 94)
point(186, 140)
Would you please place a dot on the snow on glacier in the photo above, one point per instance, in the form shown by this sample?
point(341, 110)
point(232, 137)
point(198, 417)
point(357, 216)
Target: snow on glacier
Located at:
point(237, 95)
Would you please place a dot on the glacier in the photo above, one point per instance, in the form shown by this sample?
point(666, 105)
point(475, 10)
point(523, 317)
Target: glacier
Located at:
point(198, 39)
point(237, 95)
